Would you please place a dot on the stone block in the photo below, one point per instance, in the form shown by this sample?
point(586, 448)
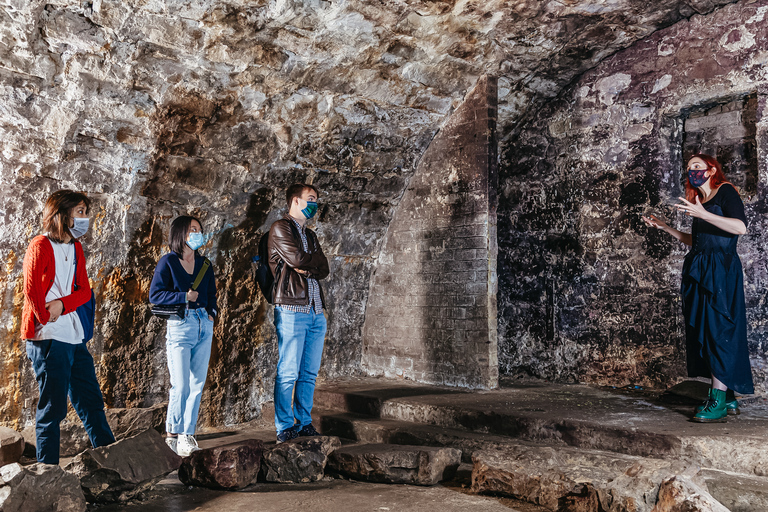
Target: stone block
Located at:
point(396, 464)
point(554, 478)
point(298, 461)
point(232, 466)
point(125, 468)
point(11, 446)
point(124, 423)
point(681, 494)
point(39, 487)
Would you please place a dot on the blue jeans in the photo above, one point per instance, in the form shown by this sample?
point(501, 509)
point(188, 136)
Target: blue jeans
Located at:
point(63, 369)
point(300, 338)
point(188, 347)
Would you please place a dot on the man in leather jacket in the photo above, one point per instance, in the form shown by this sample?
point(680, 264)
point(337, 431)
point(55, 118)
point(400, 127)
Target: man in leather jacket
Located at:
point(298, 264)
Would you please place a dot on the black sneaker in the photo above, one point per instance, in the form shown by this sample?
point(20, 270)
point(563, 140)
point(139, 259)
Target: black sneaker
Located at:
point(287, 435)
point(308, 431)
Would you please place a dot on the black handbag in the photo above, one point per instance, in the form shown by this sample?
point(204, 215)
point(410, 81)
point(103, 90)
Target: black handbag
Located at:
point(166, 311)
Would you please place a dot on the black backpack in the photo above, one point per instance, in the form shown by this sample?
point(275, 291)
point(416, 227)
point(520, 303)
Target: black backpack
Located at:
point(263, 274)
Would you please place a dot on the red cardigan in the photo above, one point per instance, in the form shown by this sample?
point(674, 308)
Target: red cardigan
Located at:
point(39, 272)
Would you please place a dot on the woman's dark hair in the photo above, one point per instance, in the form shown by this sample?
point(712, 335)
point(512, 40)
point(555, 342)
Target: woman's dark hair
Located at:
point(296, 190)
point(57, 213)
point(179, 230)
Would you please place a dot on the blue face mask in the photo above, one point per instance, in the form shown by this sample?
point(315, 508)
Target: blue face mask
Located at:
point(195, 240)
point(80, 228)
point(310, 210)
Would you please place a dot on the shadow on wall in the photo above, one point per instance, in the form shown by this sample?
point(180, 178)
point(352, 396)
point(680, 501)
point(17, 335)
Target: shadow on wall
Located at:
point(133, 367)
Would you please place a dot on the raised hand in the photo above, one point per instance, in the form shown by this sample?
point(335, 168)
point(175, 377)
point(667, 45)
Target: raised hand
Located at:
point(692, 209)
point(655, 222)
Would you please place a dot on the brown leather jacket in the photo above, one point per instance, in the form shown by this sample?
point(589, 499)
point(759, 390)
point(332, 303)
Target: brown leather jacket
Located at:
point(286, 253)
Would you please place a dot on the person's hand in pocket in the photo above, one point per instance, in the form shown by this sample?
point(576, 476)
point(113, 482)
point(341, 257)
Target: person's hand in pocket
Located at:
point(55, 308)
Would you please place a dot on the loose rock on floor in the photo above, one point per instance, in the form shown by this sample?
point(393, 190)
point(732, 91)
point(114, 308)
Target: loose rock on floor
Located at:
point(298, 461)
point(123, 422)
point(39, 487)
point(396, 464)
point(232, 466)
point(124, 468)
point(11, 446)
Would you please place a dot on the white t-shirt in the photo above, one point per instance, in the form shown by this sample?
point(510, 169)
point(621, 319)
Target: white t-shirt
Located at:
point(67, 328)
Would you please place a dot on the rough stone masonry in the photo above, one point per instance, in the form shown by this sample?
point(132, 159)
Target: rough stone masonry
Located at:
point(431, 312)
point(586, 291)
point(162, 107)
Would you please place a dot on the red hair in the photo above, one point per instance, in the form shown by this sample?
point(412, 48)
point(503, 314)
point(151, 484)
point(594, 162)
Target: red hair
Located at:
point(715, 180)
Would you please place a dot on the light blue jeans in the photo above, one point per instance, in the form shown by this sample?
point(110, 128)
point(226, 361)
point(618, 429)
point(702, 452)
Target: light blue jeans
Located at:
point(188, 345)
point(300, 338)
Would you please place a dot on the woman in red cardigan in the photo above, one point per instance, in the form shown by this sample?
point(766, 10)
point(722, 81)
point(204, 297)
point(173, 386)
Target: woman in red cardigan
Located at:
point(55, 285)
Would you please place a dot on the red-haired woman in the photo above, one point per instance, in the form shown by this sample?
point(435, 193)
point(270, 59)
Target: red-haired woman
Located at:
point(713, 287)
point(55, 285)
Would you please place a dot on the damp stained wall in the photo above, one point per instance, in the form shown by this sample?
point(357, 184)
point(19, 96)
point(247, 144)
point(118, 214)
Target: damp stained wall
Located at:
point(587, 292)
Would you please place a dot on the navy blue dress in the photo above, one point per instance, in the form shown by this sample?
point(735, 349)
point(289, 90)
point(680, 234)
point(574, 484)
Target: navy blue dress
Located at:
point(713, 299)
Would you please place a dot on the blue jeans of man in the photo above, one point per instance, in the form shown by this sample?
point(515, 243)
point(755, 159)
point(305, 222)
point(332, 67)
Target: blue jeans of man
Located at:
point(63, 369)
point(300, 338)
point(188, 349)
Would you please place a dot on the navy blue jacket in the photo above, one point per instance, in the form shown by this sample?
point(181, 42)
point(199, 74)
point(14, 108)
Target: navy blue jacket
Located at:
point(171, 283)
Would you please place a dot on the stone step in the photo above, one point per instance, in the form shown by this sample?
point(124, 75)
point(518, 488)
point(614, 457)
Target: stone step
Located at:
point(356, 428)
point(557, 415)
point(738, 492)
point(459, 409)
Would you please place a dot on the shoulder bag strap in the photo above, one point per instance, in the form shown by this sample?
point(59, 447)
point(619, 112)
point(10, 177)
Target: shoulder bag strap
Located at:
point(203, 270)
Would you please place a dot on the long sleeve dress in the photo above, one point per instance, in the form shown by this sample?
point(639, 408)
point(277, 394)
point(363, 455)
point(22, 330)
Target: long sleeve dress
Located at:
point(713, 298)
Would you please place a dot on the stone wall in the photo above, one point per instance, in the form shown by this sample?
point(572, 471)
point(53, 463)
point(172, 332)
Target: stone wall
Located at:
point(586, 291)
point(162, 107)
point(167, 108)
point(431, 312)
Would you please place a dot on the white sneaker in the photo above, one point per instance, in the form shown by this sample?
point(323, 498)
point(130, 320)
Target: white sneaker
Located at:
point(171, 442)
point(186, 445)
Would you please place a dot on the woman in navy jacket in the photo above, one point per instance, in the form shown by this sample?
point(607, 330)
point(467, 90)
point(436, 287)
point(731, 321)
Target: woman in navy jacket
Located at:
point(189, 334)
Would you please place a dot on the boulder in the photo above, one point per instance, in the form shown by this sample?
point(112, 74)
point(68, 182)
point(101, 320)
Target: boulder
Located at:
point(11, 446)
point(123, 422)
point(396, 464)
point(125, 468)
point(299, 460)
point(232, 466)
point(39, 487)
point(681, 494)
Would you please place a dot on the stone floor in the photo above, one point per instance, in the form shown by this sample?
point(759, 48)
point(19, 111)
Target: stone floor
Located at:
point(329, 495)
point(627, 421)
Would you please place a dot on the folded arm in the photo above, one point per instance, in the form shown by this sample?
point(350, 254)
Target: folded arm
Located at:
point(161, 289)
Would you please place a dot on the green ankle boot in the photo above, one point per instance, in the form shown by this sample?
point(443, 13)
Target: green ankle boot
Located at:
point(714, 410)
point(731, 404)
